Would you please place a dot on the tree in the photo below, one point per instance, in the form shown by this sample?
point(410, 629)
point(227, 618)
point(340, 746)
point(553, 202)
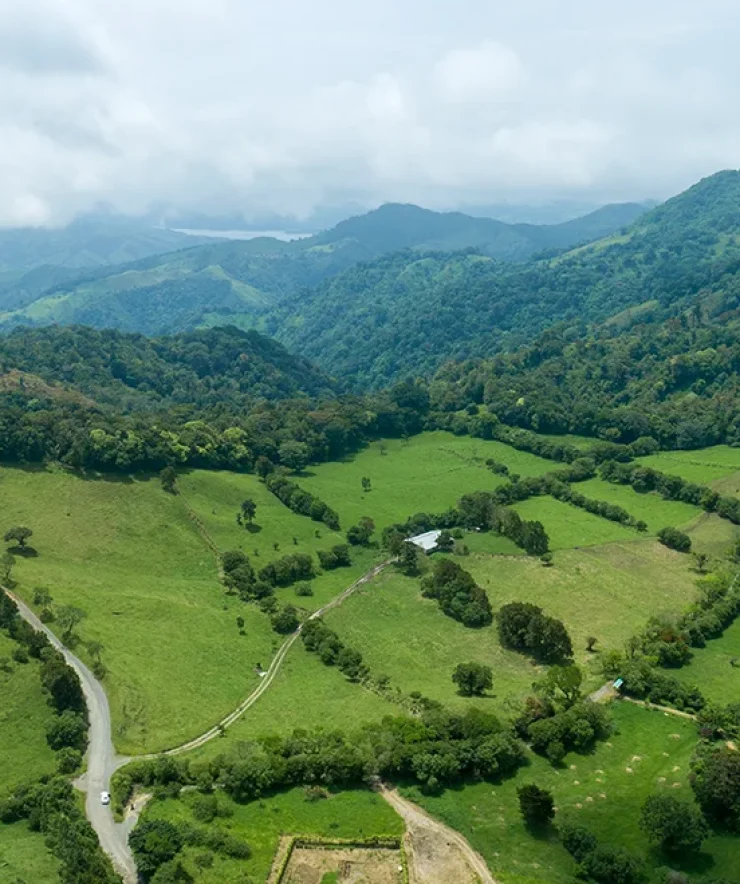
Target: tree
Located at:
point(68, 616)
point(408, 559)
point(248, 509)
point(360, 534)
point(546, 559)
point(700, 560)
point(563, 683)
point(42, 597)
point(716, 785)
point(67, 729)
point(6, 567)
point(536, 805)
point(590, 642)
point(534, 539)
point(365, 484)
point(154, 842)
point(445, 541)
point(240, 623)
point(95, 649)
point(673, 823)
point(293, 455)
point(473, 679)
point(675, 539)
point(613, 865)
point(285, 620)
point(168, 478)
point(263, 466)
point(19, 534)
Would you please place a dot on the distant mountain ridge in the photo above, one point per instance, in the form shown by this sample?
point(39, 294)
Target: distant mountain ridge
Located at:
point(238, 281)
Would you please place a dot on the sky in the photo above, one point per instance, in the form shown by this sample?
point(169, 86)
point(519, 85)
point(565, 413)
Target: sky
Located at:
point(282, 106)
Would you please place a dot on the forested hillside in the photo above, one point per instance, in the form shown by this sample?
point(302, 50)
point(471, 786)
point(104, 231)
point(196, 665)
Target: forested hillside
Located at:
point(408, 314)
point(241, 282)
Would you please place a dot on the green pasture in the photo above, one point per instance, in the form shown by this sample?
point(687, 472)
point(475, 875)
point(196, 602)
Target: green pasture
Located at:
point(711, 668)
point(24, 715)
point(305, 694)
point(650, 508)
point(569, 526)
point(426, 473)
point(24, 856)
point(607, 591)
point(409, 638)
point(704, 465)
point(126, 553)
point(352, 814)
point(602, 791)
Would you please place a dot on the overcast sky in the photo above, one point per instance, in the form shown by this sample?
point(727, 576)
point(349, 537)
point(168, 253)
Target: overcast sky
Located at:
point(285, 105)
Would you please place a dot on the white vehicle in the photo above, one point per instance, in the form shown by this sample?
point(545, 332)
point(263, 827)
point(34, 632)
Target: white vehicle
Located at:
point(105, 798)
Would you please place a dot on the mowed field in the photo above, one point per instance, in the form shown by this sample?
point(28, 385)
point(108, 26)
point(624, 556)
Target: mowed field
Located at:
point(126, 553)
point(603, 791)
point(428, 473)
point(350, 814)
point(24, 715)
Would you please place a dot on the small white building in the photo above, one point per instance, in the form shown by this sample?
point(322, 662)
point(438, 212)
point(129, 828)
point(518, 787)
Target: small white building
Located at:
point(427, 541)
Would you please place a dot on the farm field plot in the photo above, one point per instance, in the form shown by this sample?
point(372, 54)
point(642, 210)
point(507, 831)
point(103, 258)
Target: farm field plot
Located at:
point(126, 553)
point(350, 814)
point(568, 526)
point(704, 465)
point(607, 591)
point(24, 856)
point(24, 715)
point(429, 473)
point(407, 637)
point(305, 694)
point(216, 498)
point(602, 791)
point(711, 669)
point(651, 508)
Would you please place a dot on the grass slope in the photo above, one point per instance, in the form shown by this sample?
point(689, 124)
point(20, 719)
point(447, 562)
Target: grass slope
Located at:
point(24, 715)
point(351, 814)
point(428, 473)
point(603, 791)
point(24, 857)
point(127, 554)
point(711, 671)
point(705, 465)
point(651, 508)
point(408, 638)
point(568, 526)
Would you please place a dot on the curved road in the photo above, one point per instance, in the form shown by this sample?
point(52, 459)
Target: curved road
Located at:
point(102, 761)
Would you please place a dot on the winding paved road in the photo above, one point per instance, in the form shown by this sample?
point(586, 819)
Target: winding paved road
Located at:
point(102, 761)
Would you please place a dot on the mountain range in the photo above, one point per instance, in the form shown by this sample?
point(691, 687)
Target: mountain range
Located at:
point(240, 281)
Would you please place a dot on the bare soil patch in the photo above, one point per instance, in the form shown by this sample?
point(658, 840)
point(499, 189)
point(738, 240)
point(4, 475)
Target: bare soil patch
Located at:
point(375, 865)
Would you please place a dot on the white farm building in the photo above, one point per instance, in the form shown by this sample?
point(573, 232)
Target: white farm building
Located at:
point(427, 541)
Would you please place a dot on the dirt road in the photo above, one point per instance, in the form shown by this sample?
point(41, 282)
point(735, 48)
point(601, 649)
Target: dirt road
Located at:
point(101, 759)
point(438, 854)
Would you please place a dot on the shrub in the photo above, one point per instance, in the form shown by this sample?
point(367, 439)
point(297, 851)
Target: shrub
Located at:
point(672, 823)
point(675, 539)
point(536, 805)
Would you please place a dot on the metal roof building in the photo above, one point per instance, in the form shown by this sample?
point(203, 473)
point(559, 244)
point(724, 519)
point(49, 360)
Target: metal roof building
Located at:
point(427, 541)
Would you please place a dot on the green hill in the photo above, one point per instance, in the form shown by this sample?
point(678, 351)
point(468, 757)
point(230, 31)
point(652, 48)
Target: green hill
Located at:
point(239, 282)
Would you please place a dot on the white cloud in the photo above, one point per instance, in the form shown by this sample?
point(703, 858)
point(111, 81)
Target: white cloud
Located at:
point(243, 106)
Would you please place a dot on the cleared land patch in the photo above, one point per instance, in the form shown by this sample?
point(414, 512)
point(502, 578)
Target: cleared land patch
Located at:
point(568, 526)
point(315, 865)
point(703, 465)
point(126, 553)
point(24, 856)
point(603, 791)
point(428, 473)
point(650, 508)
point(350, 814)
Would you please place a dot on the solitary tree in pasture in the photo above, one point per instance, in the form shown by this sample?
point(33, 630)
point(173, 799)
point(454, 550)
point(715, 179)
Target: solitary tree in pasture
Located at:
point(473, 679)
point(6, 567)
point(536, 805)
point(19, 534)
point(168, 478)
point(248, 510)
point(69, 616)
point(365, 484)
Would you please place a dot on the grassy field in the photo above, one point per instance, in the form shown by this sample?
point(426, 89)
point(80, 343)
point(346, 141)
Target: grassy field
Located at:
point(651, 508)
point(126, 553)
point(428, 473)
point(305, 694)
point(568, 526)
point(711, 671)
point(24, 857)
point(608, 591)
point(349, 814)
point(408, 638)
point(24, 715)
point(602, 791)
point(705, 465)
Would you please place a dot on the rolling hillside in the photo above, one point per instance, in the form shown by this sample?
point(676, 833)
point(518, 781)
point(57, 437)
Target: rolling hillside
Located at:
point(239, 282)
